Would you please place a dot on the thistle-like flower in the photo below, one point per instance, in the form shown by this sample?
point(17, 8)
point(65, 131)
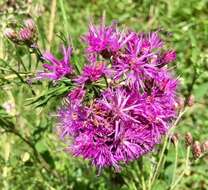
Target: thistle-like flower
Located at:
point(135, 99)
point(117, 102)
point(25, 34)
point(57, 68)
point(76, 95)
point(92, 73)
point(72, 120)
point(104, 40)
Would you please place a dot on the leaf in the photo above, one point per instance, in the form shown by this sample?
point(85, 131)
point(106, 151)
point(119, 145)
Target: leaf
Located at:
point(50, 93)
point(160, 185)
point(201, 91)
point(41, 146)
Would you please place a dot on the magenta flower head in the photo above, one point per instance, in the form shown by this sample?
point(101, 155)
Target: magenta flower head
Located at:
point(151, 41)
point(77, 95)
point(138, 60)
point(169, 57)
point(25, 34)
point(57, 69)
point(72, 120)
point(123, 102)
point(116, 130)
point(92, 73)
point(104, 40)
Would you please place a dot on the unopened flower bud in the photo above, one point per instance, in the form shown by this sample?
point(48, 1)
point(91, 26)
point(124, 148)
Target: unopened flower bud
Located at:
point(10, 33)
point(205, 146)
point(174, 138)
point(25, 34)
point(196, 150)
point(29, 23)
point(188, 139)
point(191, 100)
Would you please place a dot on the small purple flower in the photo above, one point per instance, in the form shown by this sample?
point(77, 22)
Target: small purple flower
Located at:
point(99, 37)
point(134, 142)
point(104, 40)
point(169, 56)
point(76, 95)
point(72, 118)
point(57, 68)
point(117, 103)
point(25, 34)
point(151, 41)
point(135, 64)
point(92, 73)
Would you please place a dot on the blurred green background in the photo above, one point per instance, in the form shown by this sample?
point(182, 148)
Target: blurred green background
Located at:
point(31, 155)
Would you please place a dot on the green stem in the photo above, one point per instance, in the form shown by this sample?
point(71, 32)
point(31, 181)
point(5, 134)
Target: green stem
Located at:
point(30, 60)
point(165, 144)
point(140, 164)
point(151, 180)
point(184, 171)
point(176, 163)
point(64, 15)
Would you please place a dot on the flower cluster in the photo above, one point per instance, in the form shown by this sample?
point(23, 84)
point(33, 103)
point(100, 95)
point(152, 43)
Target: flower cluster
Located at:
point(123, 101)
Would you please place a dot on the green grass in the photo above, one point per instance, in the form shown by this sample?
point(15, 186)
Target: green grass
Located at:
point(31, 156)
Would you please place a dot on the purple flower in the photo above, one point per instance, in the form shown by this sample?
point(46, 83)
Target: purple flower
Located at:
point(104, 40)
point(25, 34)
point(168, 57)
point(92, 73)
point(121, 125)
point(134, 109)
point(117, 102)
point(29, 23)
point(151, 41)
point(100, 153)
point(135, 64)
point(57, 68)
point(71, 120)
point(76, 95)
point(134, 142)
